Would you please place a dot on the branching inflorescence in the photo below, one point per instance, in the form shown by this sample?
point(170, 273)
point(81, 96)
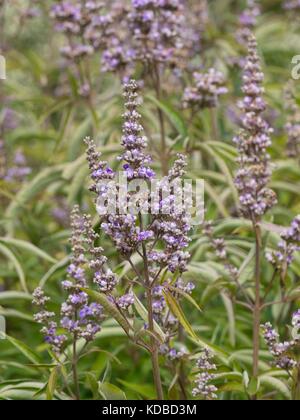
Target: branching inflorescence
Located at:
point(283, 257)
point(254, 162)
point(207, 89)
point(78, 317)
point(204, 388)
point(248, 21)
point(254, 171)
point(285, 353)
point(160, 239)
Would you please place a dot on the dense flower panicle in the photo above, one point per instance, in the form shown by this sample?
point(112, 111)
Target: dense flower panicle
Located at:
point(293, 124)
point(125, 301)
point(46, 318)
point(88, 27)
point(156, 30)
point(100, 171)
point(207, 89)
point(247, 21)
point(282, 352)
point(84, 20)
point(283, 257)
point(79, 317)
point(168, 226)
point(171, 224)
point(252, 143)
point(204, 388)
point(133, 140)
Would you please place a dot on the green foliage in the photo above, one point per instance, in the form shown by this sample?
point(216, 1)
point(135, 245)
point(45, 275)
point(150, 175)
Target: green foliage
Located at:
point(34, 248)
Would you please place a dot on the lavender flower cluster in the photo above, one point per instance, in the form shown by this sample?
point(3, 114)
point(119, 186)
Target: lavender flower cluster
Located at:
point(156, 30)
point(283, 257)
point(284, 353)
point(248, 21)
point(163, 242)
point(88, 29)
point(207, 89)
point(252, 143)
point(79, 318)
point(84, 25)
point(204, 388)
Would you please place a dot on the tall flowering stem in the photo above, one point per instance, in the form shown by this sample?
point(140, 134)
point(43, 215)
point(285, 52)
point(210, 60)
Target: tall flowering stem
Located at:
point(79, 318)
point(254, 170)
point(156, 28)
point(160, 239)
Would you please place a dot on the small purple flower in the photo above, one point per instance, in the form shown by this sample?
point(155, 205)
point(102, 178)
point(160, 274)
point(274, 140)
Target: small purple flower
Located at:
point(254, 170)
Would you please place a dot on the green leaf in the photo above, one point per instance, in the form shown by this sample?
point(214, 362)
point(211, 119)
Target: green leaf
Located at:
point(187, 296)
point(142, 311)
point(111, 392)
point(253, 386)
point(231, 318)
point(28, 191)
point(53, 269)
point(25, 350)
point(51, 385)
point(277, 384)
point(173, 116)
point(146, 391)
point(27, 246)
point(247, 268)
point(13, 295)
point(178, 312)
point(8, 253)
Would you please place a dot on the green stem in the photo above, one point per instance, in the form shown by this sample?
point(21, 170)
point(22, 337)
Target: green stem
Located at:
point(74, 369)
point(153, 340)
point(154, 349)
point(257, 305)
point(296, 396)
